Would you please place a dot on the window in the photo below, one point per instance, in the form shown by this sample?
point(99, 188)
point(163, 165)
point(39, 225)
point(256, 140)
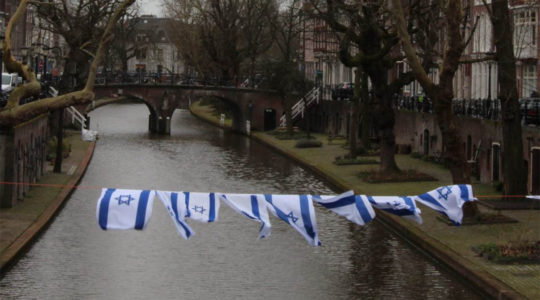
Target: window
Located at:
point(529, 80)
point(159, 54)
point(525, 30)
point(483, 34)
point(140, 53)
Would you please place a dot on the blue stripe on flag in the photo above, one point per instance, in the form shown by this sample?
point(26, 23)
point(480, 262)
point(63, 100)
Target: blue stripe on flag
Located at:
point(212, 213)
point(409, 202)
point(279, 213)
point(255, 210)
point(104, 208)
point(371, 200)
point(141, 210)
point(174, 204)
point(428, 198)
point(464, 192)
point(339, 203)
point(188, 214)
point(306, 215)
point(362, 209)
point(255, 207)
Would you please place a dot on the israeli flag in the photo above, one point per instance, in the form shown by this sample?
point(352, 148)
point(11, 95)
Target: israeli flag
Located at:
point(448, 200)
point(353, 207)
point(297, 211)
point(402, 206)
point(124, 209)
point(177, 210)
point(251, 206)
point(203, 207)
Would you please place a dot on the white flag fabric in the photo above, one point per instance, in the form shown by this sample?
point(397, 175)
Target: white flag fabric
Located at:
point(448, 200)
point(124, 209)
point(203, 207)
point(251, 206)
point(536, 197)
point(297, 211)
point(177, 210)
point(353, 207)
point(402, 206)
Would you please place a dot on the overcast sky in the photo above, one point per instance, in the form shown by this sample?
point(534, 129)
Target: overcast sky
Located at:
point(150, 7)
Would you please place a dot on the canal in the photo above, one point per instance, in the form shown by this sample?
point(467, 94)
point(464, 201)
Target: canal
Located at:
point(75, 259)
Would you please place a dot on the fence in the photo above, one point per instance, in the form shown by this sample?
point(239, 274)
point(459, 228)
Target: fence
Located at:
point(474, 108)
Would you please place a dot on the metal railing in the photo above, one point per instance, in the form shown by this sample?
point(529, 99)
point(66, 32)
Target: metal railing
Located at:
point(77, 116)
point(299, 107)
point(474, 108)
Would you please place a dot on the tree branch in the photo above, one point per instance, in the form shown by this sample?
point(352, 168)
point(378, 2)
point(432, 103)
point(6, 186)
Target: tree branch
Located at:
point(14, 114)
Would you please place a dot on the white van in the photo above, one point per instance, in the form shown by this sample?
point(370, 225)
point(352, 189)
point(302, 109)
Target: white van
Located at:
point(9, 81)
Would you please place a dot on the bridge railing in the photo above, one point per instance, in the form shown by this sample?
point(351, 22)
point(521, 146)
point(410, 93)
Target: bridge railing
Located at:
point(475, 108)
point(161, 79)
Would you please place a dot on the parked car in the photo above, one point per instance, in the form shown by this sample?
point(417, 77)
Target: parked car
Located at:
point(343, 90)
point(530, 110)
point(9, 81)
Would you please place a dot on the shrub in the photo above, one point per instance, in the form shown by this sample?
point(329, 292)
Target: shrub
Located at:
point(341, 161)
point(51, 148)
point(305, 143)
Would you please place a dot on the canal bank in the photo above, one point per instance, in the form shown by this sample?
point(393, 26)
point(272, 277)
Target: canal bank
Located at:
point(22, 224)
point(452, 246)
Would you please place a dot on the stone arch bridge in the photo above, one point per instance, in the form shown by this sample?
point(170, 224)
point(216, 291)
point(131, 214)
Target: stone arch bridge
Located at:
point(262, 108)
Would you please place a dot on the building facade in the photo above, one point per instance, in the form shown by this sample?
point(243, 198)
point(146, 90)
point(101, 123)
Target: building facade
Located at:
point(155, 53)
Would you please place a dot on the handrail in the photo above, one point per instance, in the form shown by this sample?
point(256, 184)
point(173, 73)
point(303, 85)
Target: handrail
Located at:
point(299, 107)
point(76, 115)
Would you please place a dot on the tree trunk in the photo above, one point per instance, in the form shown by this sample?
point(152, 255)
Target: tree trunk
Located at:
point(366, 113)
point(60, 142)
point(515, 172)
point(355, 118)
point(385, 122)
point(385, 119)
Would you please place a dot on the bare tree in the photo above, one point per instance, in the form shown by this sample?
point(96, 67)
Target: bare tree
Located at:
point(81, 24)
point(15, 113)
point(285, 76)
point(451, 20)
point(125, 46)
point(217, 36)
point(368, 42)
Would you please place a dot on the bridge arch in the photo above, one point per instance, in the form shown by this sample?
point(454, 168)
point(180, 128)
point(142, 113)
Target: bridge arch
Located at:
point(246, 104)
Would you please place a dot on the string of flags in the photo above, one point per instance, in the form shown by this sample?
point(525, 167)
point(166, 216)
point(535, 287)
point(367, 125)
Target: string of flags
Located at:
point(132, 209)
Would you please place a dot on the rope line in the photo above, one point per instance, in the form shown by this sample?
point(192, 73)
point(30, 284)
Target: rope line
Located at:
point(99, 188)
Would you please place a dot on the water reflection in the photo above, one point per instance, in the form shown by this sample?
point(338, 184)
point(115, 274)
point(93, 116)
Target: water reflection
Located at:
point(224, 260)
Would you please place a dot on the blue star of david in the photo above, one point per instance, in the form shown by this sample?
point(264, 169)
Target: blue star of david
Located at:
point(292, 217)
point(124, 199)
point(199, 209)
point(444, 192)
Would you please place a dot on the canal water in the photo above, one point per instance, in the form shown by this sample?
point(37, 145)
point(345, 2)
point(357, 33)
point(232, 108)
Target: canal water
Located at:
point(75, 259)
